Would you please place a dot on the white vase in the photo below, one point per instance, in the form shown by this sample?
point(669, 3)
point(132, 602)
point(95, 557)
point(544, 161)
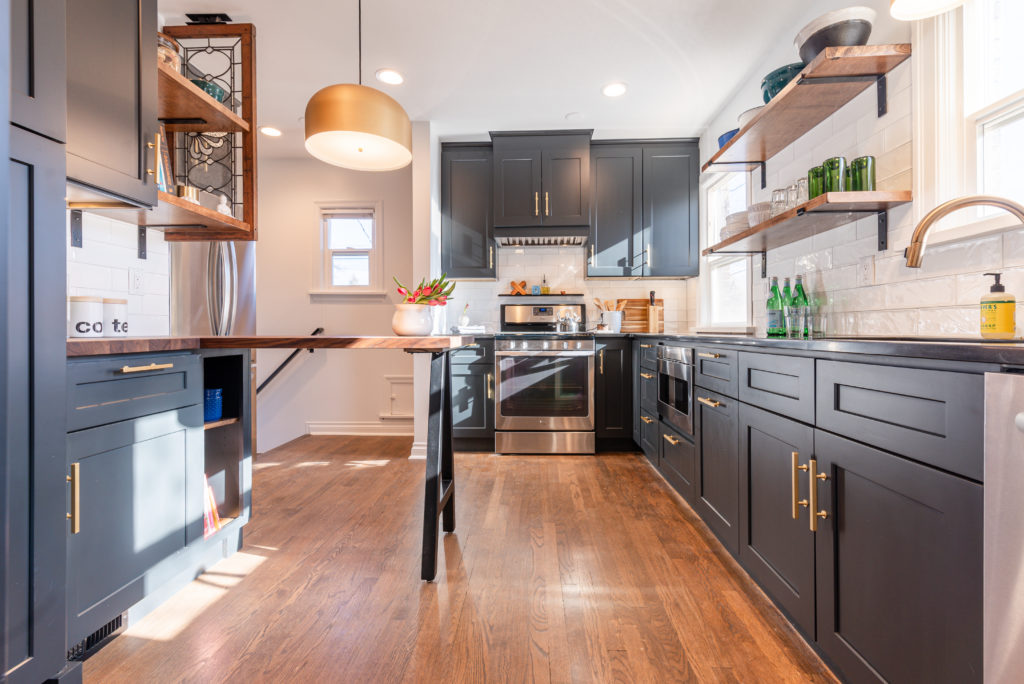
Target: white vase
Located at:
point(413, 320)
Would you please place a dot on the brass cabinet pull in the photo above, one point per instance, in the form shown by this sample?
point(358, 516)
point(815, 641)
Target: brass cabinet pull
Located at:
point(646, 419)
point(547, 208)
point(490, 385)
point(155, 146)
point(670, 439)
point(708, 401)
point(536, 204)
point(490, 260)
point(814, 477)
point(706, 355)
point(645, 346)
point(798, 503)
point(601, 356)
point(76, 507)
point(646, 376)
point(150, 367)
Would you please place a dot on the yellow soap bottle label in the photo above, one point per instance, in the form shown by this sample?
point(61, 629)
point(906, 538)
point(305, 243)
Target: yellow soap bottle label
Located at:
point(998, 317)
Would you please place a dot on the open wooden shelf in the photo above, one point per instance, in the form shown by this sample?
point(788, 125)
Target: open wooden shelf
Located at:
point(180, 219)
point(183, 107)
point(836, 76)
point(219, 423)
point(825, 212)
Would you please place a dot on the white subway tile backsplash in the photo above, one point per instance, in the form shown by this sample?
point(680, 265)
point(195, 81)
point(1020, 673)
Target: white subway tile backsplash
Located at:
point(1013, 248)
point(915, 294)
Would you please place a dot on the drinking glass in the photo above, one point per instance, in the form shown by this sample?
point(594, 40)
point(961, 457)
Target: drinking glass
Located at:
point(863, 173)
point(779, 199)
point(792, 196)
point(797, 321)
point(802, 194)
point(835, 174)
point(815, 182)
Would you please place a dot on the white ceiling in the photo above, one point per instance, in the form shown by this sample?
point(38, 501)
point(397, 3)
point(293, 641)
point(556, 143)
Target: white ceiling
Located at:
point(477, 65)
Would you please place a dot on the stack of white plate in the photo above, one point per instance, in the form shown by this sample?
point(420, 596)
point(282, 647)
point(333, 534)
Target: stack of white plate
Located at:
point(734, 224)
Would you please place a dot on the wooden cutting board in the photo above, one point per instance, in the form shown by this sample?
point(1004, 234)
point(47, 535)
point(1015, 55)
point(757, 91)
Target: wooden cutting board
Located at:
point(634, 315)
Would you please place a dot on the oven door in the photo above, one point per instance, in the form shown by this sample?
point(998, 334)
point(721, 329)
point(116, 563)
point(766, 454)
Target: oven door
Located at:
point(544, 390)
point(675, 394)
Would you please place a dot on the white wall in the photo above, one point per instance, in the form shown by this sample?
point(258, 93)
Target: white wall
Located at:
point(342, 392)
point(106, 262)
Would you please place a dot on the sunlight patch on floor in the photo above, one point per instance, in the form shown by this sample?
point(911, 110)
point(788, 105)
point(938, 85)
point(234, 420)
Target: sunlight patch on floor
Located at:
point(368, 464)
point(261, 466)
point(169, 620)
point(308, 464)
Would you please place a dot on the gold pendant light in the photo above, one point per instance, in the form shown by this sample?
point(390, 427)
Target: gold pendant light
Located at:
point(358, 127)
point(912, 10)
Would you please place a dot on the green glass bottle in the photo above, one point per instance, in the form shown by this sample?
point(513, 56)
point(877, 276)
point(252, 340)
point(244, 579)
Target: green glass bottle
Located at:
point(800, 301)
point(776, 325)
point(787, 294)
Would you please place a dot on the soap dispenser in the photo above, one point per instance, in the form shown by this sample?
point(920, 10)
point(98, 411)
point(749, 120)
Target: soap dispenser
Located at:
point(998, 312)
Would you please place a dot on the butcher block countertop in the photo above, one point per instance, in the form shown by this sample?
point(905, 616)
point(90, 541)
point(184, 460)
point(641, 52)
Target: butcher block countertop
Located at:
point(100, 346)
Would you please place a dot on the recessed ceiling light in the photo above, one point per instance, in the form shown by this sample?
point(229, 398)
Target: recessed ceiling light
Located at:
point(614, 89)
point(572, 115)
point(390, 76)
point(271, 131)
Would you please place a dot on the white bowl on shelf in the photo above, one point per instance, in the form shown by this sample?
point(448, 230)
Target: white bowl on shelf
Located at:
point(758, 213)
point(746, 116)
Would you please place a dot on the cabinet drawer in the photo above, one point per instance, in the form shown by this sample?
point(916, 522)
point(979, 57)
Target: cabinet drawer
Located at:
point(678, 461)
point(481, 351)
point(935, 417)
point(649, 390)
point(648, 354)
point(782, 384)
point(716, 370)
point(650, 436)
point(114, 388)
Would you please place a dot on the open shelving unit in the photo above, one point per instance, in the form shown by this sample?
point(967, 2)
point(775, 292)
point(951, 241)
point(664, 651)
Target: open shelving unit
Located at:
point(183, 107)
point(227, 445)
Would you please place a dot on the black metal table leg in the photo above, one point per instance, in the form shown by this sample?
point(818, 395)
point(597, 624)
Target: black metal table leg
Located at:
point(439, 495)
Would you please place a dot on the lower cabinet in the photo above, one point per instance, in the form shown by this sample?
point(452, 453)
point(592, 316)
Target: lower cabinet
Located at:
point(650, 437)
point(899, 567)
point(473, 395)
point(678, 462)
point(613, 415)
point(776, 549)
point(717, 493)
point(138, 485)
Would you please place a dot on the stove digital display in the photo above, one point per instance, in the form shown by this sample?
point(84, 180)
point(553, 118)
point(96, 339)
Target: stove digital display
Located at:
point(541, 310)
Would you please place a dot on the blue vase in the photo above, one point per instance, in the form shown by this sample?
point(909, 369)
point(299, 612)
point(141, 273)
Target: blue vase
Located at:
point(213, 404)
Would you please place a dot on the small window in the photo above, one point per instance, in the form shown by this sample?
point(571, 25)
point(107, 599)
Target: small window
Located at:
point(725, 279)
point(351, 246)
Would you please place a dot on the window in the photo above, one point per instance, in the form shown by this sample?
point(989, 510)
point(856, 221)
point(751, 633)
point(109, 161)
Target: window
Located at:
point(969, 112)
point(350, 243)
point(725, 282)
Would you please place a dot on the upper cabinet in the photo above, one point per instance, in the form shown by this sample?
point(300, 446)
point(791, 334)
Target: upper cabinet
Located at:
point(643, 220)
point(542, 179)
point(112, 98)
point(37, 67)
point(467, 216)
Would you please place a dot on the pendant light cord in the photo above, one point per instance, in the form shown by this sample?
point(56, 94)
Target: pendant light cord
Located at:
point(360, 42)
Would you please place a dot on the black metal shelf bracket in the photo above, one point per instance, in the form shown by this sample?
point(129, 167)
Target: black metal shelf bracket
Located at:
point(318, 331)
point(747, 165)
point(764, 259)
point(879, 79)
point(142, 242)
point(76, 228)
point(883, 231)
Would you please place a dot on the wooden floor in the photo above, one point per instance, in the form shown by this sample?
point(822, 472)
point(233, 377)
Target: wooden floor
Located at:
point(568, 568)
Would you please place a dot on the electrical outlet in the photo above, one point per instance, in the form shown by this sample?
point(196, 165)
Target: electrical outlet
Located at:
point(135, 278)
point(866, 271)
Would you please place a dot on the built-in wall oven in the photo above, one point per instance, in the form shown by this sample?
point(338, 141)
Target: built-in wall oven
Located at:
point(675, 387)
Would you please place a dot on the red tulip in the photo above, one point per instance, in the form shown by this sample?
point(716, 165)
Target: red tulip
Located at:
point(410, 300)
point(402, 291)
point(427, 290)
point(433, 302)
point(418, 292)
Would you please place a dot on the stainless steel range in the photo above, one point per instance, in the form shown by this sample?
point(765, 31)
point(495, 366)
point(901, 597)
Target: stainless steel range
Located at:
point(545, 388)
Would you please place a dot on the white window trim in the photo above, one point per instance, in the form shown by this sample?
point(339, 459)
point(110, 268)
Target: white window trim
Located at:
point(704, 282)
point(943, 137)
point(322, 286)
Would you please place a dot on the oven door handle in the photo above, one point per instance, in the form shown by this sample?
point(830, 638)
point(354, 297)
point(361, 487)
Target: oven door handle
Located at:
point(545, 353)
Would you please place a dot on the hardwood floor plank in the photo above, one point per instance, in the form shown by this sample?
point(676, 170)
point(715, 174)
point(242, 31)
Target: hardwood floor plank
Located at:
point(562, 569)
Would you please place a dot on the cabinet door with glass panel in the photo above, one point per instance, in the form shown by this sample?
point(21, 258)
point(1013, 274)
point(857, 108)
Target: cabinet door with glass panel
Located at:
point(351, 249)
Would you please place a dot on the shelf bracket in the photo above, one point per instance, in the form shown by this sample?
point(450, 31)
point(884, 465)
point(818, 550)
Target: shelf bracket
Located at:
point(764, 259)
point(883, 231)
point(142, 242)
point(760, 164)
point(879, 79)
point(76, 228)
point(883, 98)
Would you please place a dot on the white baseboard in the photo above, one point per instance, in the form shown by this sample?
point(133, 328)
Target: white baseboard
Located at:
point(419, 451)
point(355, 427)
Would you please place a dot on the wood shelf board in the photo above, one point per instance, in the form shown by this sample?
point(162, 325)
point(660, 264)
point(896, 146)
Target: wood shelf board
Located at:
point(802, 106)
point(219, 423)
point(179, 98)
point(823, 213)
point(180, 219)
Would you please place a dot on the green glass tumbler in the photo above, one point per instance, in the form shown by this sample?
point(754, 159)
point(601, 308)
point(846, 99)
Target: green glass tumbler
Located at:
point(815, 182)
point(863, 173)
point(835, 174)
point(851, 180)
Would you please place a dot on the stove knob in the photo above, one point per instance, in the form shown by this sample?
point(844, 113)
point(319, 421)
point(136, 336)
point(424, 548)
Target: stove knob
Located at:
point(565, 345)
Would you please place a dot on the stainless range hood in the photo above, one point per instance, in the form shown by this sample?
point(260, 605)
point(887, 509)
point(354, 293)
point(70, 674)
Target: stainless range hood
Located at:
point(575, 236)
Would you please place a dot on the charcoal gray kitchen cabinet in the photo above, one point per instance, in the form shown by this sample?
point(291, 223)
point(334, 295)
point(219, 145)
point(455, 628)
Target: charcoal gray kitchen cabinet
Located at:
point(37, 86)
point(467, 215)
point(650, 437)
point(717, 479)
point(899, 567)
point(473, 392)
point(613, 415)
point(541, 179)
point(140, 489)
point(671, 245)
point(32, 360)
point(776, 550)
point(678, 462)
point(112, 98)
point(637, 432)
point(616, 175)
